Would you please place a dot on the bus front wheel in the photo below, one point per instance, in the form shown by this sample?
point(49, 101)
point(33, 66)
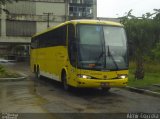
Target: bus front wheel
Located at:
point(64, 81)
point(105, 89)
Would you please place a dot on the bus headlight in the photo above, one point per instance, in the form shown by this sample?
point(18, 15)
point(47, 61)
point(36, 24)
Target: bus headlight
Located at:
point(84, 76)
point(122, 76)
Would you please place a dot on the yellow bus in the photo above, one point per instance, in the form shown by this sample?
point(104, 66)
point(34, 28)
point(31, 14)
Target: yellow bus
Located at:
point(82, 54)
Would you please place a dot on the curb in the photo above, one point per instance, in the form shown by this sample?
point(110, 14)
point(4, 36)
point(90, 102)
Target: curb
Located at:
point(157, 85)
point(12, 79)
point(22, 78)
point(143, 91)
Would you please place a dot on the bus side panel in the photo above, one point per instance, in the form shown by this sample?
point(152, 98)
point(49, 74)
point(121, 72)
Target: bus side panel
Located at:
point(57, 60)
point(61, 61)
point(51, 60)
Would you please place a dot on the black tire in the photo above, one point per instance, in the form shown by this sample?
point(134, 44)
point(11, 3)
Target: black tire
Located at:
point(66, 87)
point(34, 69)
point(38, 76)
point(105, 89)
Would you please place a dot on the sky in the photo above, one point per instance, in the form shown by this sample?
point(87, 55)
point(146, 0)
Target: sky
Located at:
point(118, 8)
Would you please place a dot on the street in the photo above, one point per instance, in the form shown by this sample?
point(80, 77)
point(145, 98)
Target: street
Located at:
point(47, 96)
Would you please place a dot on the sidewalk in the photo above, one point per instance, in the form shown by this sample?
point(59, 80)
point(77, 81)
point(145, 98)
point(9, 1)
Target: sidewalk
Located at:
point(22, 76)
point(143, 91)
point(2, 60)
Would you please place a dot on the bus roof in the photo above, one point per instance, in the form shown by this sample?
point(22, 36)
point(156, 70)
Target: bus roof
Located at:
point(88, 21)
point(81, 21)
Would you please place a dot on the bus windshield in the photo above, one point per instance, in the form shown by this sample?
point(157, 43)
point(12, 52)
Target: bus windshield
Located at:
point(102, 47)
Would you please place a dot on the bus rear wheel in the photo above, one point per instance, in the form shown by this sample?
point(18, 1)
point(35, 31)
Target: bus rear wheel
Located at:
point(37, 73)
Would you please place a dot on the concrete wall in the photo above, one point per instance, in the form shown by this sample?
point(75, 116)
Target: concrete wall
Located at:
point(11, 39)
point(22, 7)
point(17, 25)
point(95, 9)
point(57, 15)
point(3, 21)
point(20, 28)
point(55, 8)
point(41, 26)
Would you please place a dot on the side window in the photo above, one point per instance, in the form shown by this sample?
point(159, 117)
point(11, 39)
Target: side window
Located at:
point(41, 40)
point(33, 43)
point(63, 36)
point(57, 37)
point(47, 39)
point(72, 46)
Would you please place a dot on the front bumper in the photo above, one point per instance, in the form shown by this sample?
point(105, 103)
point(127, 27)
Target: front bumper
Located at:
point(98, 83)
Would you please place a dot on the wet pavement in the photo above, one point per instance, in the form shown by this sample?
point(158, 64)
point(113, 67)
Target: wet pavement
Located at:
point(95, 101)
point(19, 97)
point(47, 96)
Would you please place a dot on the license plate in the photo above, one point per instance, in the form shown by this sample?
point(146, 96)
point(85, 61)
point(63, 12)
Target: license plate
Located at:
point(104, 84)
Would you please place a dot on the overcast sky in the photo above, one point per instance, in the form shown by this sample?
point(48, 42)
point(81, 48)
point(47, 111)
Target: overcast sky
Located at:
point(117, 8)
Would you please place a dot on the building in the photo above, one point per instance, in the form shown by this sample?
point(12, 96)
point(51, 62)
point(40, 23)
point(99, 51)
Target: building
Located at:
point(20, 20)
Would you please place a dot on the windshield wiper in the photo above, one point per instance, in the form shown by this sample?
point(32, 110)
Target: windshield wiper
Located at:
point(99, 57)
point(110, 55)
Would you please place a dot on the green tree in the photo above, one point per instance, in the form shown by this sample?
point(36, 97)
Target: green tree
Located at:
point(143, 33)
point(3, 2)
point(156, 52)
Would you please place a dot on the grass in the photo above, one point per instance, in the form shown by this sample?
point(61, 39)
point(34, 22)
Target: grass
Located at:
point(152, 76)
point(7, 74)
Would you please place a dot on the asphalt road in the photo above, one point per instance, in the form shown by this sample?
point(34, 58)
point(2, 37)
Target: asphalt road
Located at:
point(47, 96)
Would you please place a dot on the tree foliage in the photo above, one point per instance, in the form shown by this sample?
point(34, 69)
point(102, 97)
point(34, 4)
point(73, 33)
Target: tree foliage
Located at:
point(156, 52)
point(3, 2)
point(143, 36)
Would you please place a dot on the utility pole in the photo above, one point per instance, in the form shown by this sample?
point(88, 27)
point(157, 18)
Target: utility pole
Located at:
point(48, 16)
